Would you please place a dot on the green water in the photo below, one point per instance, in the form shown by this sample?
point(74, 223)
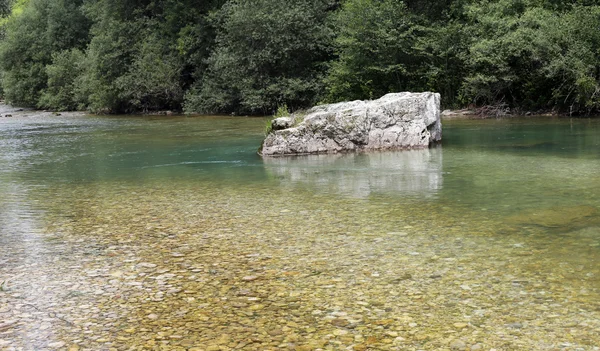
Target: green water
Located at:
point(499, 165)
point(403, 247)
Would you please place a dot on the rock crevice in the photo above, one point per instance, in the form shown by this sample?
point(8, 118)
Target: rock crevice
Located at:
point(395, 121)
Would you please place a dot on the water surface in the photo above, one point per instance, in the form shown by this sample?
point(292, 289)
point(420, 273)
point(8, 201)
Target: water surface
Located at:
point(173, 234)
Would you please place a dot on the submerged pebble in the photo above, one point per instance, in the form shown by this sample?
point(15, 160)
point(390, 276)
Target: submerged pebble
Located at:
point(197, 267)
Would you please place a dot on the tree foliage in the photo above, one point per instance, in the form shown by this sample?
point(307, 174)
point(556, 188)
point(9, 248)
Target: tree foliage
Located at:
point(32, 34)
point(268, 52)
point(142, 55)
point(533, 56)
point(376, 43)
point(251, 56)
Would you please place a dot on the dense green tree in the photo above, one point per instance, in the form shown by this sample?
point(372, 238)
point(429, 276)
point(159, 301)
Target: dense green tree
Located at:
point(63, 79)
point(527, 55)
point(5, 6)
point(145, 54)
point(443, 70)
point(574, 67)
point(505, 50)
point(110, 56)
point(387, 45)
point(376, 47)
point(268, 53)
point(243, 56)
point(153, 80)
point(521, 53)
point(39, 29)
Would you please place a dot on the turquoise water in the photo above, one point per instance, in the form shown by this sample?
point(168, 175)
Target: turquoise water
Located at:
point(494, 164)
point(504, 215)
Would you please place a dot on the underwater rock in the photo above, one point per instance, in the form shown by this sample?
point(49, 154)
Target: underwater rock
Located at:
point(557, 217)
point(395, 121)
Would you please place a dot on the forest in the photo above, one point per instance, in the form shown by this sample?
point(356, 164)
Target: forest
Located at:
point(255, 56)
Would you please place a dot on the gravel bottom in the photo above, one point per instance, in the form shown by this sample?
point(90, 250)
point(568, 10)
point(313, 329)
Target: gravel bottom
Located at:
point(203, 267)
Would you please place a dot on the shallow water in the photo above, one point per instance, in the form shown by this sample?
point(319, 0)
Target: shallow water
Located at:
point(172, 234)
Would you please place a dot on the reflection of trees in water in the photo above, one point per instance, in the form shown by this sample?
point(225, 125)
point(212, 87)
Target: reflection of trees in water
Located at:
point(408, 172)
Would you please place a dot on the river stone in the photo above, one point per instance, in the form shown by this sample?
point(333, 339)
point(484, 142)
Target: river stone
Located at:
point(282, 123)
point(458, 345)
point(395, 121)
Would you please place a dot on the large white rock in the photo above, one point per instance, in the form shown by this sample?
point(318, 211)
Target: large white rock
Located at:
point(395, 121)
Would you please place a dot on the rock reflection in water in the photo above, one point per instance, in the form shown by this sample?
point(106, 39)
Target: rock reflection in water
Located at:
point(408, 172)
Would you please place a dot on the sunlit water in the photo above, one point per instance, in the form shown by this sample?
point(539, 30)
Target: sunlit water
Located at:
point(173, 234)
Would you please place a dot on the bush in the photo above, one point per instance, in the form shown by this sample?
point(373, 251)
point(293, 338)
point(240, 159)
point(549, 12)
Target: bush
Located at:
point(533, 57)
point(61, 93)
point(376, 47)
point(33, 33)
point(153, 78)
point(268, 52)
point(23, 55)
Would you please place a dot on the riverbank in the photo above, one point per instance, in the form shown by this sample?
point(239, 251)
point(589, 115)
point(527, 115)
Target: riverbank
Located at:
point(495, 112)
point(8, 111)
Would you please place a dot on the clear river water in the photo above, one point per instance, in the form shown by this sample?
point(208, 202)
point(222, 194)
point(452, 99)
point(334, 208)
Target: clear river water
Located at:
point(171, 233)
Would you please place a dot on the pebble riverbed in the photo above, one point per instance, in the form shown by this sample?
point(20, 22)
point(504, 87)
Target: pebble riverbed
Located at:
point(184, 266)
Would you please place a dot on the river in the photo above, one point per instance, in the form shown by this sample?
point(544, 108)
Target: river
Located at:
point(171, 233)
